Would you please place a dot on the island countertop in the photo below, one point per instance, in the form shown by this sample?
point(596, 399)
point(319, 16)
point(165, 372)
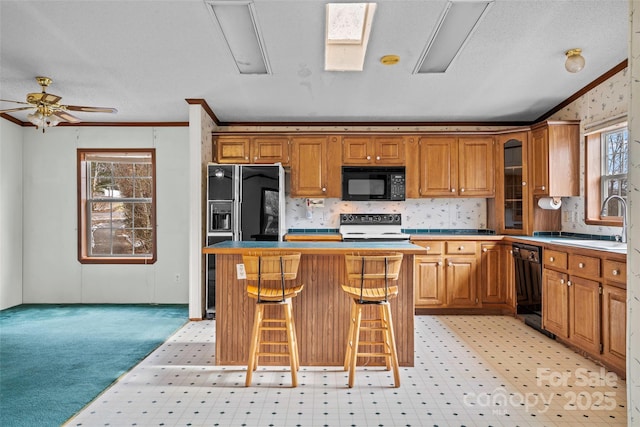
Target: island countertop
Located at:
point(318, 248)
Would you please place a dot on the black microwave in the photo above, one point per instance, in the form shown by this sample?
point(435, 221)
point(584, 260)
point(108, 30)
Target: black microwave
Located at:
point(373, 183)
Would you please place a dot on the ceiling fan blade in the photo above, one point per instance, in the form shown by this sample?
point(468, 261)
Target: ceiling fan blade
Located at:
point(66, 116)
point(9, 110)
point(90, 109)
point(15, 102)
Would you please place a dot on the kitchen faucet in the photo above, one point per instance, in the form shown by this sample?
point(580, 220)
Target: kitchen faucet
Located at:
point(603, 212)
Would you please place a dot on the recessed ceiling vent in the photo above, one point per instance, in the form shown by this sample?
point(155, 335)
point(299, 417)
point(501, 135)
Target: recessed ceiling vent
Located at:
point(347, 35)
point(456, 24)
point(239, 26)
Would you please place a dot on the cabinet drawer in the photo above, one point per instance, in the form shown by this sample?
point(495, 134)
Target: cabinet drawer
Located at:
point(585, 266)
point(433, 248)
point(460, 247)
point(555, 259)
point(615, 271)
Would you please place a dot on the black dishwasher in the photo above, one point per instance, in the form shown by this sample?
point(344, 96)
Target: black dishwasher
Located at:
point(528, 272)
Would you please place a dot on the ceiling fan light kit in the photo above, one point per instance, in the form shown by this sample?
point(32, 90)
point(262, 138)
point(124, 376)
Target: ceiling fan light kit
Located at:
point(47, 110)
point(575, 60)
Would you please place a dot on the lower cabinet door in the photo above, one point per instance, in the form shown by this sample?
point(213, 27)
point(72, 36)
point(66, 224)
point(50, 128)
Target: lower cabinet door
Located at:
point(614, 326)
point(584, 314)
point(555, 303)
point(461, 279)
point(429, 282)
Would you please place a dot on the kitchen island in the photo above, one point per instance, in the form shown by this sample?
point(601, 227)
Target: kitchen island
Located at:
point(321, 311)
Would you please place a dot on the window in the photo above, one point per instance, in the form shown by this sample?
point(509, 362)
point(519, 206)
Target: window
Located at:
point(116, 206)
point(614, 167)
point(607, 160)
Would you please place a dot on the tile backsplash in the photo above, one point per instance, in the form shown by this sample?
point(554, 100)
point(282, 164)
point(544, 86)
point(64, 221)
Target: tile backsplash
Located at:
point(453, 213)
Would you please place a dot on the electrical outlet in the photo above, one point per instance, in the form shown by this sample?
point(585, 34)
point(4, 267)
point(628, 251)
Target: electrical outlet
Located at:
point(241, 272)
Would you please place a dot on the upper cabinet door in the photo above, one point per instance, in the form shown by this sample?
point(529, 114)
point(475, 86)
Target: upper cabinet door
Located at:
point(555, 159)
point(311, 161)
point(377, 150)
point(388, 150)
point(438, 166)
point(232, 149)
point(356, 150)
point(476, 172)
point(539, 163)
point(270, 149)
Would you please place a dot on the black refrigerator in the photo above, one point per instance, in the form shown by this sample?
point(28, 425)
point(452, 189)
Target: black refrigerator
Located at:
point(244, 202)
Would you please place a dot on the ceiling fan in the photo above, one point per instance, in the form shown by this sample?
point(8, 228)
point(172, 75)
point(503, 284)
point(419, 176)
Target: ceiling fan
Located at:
point(47, 111)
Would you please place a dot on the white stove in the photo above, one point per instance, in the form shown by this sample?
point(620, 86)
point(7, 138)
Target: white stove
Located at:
point(372, 227)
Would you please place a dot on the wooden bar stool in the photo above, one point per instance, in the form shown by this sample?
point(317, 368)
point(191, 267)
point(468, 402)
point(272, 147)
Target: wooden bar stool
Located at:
point(368, 284)
point(268, 275)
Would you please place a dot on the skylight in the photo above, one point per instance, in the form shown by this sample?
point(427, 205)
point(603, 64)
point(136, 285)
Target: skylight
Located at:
point(347, 35)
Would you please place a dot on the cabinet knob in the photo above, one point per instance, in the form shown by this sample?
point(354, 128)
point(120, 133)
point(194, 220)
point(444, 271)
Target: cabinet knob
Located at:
point(453, 190)
point(428, 248)
point(543, 188)
point(484, 249)
point(439, 262)
point(461, 248)
point(450, 264)
point(615, 272)
point(524, 183)
point(569, 283)
point(581, 265)
point(324, 189)
point(368, 157)
point(562, 281)
point(462, 190)
point(377, 157)
point(551, 259)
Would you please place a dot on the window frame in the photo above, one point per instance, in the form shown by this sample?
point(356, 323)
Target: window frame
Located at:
point(84, 255)
point(594, 161)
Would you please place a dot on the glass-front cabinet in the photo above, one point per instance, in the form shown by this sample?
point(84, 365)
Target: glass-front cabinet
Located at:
point(512, 199)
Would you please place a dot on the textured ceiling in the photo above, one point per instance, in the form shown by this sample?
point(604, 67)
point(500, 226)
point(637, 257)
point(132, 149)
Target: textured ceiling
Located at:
point(146, 57)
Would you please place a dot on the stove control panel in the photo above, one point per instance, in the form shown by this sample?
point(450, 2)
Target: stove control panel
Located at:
point(370, 219)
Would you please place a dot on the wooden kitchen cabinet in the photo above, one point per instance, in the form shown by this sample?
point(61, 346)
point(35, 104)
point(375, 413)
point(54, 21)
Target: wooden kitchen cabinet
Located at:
point(497, 276)
point(614, 314)
point(270, 149)
point(585, 302)
point(513, 203)
point(450, 166)
point(554, 162)
point(476, 166)
point(373, 150)
point(555, 302)
point(447, 275)
point(251, 149)
point(232, 149)
point(314, 172)
point(571, 298)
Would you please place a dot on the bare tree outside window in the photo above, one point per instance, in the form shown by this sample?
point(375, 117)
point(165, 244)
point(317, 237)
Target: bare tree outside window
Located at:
point(615, 163)
point(117, 189)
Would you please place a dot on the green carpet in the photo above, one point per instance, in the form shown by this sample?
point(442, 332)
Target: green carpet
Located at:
point(54, 359)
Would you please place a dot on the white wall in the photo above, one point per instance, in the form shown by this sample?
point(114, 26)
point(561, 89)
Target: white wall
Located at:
point(52, 273)
point(10, 214)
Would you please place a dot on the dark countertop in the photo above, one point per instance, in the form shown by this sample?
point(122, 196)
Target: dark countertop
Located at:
point(319, 248)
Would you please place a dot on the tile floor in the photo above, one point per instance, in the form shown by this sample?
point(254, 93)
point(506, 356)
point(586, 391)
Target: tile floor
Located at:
point(469, 371)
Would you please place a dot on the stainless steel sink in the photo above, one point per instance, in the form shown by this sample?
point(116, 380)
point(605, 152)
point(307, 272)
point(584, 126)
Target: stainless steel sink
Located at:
point(606, 245)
